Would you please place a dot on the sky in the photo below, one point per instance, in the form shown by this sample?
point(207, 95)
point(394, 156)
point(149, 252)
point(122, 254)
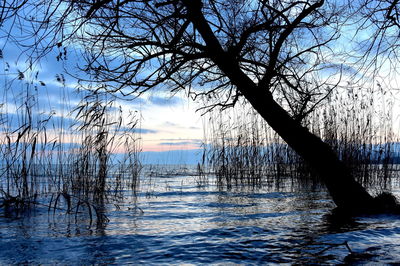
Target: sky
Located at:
point(170, 128)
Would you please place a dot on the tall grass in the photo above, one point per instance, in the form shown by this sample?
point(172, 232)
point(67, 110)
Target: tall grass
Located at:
point(242, 149)
point(67, 154)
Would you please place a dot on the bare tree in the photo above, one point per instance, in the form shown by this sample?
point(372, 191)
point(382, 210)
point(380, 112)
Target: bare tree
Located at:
point(277, 55)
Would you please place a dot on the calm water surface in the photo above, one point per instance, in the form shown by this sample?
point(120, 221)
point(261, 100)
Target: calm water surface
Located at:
point(174, 221)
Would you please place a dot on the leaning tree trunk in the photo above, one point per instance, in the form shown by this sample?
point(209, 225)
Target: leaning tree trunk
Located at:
point(343, 188)
point(345, 191)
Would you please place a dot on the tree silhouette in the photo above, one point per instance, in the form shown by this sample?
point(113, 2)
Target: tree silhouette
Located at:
point(274, 54)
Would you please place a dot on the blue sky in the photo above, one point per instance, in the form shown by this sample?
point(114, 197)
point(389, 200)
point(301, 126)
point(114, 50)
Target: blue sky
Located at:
point(167, 122)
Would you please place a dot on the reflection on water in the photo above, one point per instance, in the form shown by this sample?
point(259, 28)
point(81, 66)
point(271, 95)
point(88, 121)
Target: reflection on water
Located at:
point(173, 221)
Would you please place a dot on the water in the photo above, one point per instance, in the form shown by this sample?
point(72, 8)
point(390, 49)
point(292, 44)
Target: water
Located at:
point(175, 221)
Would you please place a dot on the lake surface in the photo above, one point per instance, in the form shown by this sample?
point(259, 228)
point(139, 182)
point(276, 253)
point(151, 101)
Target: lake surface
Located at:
point(175, 219)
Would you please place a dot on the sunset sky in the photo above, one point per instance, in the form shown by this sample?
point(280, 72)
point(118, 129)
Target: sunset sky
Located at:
point(170, 128)
point(168, 122)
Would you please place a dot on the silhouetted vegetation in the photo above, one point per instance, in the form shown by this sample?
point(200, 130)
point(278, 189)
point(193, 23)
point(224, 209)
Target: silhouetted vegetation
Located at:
point(243, 150)
point(64, 158)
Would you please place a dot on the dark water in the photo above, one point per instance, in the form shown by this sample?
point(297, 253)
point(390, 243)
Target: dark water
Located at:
point(174, 221)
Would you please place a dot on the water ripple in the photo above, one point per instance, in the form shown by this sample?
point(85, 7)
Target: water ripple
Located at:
point(182, 224)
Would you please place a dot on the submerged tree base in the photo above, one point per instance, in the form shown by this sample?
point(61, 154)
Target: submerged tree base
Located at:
point(384, 203)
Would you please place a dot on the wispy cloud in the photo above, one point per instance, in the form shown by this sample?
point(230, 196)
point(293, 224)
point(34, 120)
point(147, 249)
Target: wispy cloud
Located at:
point(181, 139)
point(181, 142)
point(333, 68)
point(146, 131)
point(14, 121)
point(137, 130)
point(170, 124)
point(165, 101)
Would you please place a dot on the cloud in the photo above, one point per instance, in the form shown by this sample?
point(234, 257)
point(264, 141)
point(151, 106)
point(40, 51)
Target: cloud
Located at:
point(135, 101)
point(170, 124)
point(335, 68)
point(42, 98)
point(146, 131)
point(175, 143)
point(180, 142)
point(137, 130)
point(181, 139)
point(164, 101)
point(15, 121)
